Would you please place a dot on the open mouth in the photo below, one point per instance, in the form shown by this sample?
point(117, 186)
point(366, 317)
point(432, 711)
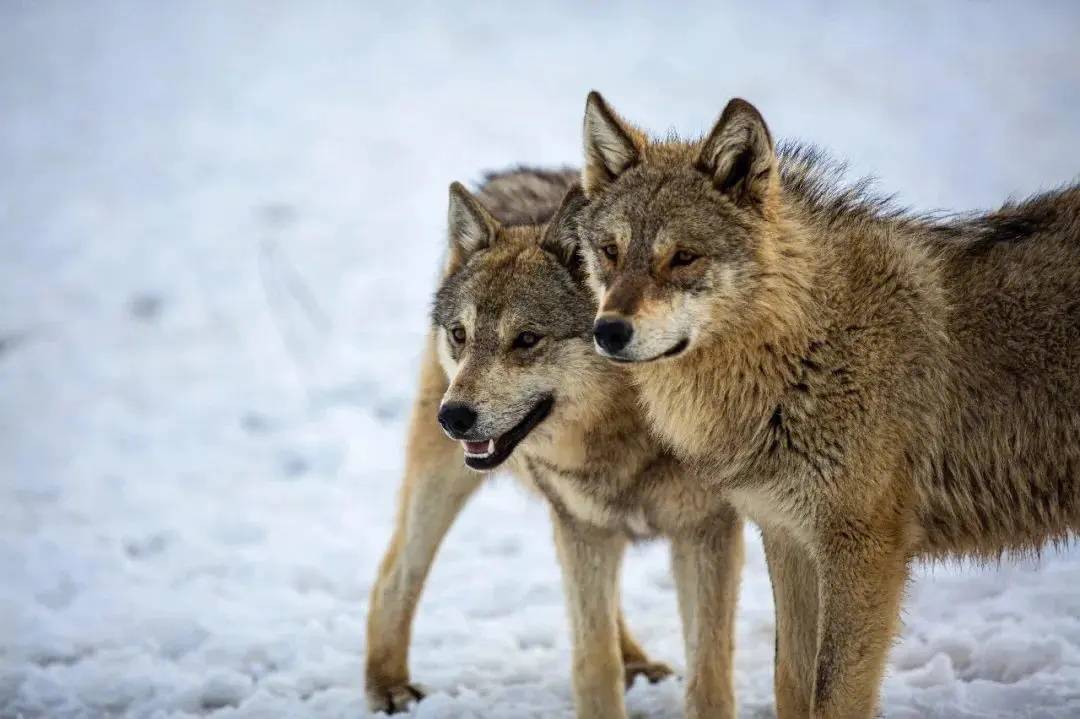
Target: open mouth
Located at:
point(490, 453)
point(676, 349)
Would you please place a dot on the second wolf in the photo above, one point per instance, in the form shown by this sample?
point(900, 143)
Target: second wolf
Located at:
point(511, 373)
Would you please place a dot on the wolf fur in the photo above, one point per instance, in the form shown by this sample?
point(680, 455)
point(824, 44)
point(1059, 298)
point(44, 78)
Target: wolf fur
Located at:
point(868, 385)
point(607, 481)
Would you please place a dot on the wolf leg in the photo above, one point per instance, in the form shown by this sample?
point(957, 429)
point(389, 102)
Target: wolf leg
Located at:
point(860, 582)
point(707, 581)
point(635, 662)
point(590, 558)
point(436, 487)
point(794, 584)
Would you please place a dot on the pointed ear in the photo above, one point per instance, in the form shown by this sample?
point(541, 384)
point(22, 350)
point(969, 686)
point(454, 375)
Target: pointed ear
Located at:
point(739, 157)
point(561, 234)
point(611, 147)
point(471, 227)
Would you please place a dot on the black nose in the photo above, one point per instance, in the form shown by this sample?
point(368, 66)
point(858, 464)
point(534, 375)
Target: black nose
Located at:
point(612, 335)
point(457, 419)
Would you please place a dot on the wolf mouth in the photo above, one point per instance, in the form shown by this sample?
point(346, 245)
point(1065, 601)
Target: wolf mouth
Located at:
point(490, 454)
point(675, 349)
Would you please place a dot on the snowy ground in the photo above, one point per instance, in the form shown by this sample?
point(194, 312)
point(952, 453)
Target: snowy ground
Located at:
point(197, 474)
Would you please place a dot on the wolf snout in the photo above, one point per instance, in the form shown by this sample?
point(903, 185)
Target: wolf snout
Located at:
point(612, 334)
point(457, 419)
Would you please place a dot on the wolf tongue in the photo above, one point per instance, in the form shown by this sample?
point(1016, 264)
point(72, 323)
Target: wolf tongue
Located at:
point(476, 447)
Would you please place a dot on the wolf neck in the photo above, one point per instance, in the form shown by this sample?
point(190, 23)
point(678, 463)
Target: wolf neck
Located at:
point(715, 402)
point(608, 429)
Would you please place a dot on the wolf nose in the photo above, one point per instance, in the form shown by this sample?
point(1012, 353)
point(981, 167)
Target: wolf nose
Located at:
point(612, 335)
point(457, 419)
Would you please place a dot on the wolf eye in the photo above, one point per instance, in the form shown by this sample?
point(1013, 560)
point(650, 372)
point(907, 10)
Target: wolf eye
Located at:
point(526, 340)
point(611, 250)
point(683, 257)
point(457, 334)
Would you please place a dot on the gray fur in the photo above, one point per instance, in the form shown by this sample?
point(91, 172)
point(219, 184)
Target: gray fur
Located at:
point(869, 385)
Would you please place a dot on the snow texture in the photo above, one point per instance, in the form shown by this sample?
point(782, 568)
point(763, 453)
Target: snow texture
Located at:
point(220, 224)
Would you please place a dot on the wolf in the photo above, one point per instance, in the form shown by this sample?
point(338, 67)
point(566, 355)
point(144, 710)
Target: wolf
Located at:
point(870, 386)
point(509, 379)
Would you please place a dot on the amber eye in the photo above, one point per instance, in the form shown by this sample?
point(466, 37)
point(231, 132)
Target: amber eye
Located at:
point(526, 340)
point(457, 334)
point(683, 257)
point(611, 251)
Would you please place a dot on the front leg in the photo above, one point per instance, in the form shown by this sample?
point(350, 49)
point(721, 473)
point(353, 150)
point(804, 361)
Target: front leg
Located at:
point(707, 570)
point(437, 485)
point(430, 502)
point(590, 558)
point(861, 577)
point(795, 595)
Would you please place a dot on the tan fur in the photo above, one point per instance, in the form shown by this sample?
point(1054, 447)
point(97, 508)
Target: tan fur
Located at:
point(869, 386)
point(435, 488)
point(606, 480)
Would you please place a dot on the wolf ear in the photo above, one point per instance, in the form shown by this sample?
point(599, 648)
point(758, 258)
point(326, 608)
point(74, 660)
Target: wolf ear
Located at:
point(561, 235)
point(471, 227)
point(739, 157)
point(611, 147)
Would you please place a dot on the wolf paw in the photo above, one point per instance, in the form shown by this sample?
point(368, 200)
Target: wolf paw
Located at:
point(653, 671)
point(394, 698)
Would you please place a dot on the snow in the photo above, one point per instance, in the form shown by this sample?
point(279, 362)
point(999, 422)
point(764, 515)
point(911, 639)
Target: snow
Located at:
point(198, 462)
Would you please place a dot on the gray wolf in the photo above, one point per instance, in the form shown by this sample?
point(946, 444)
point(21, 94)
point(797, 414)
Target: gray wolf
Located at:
point(868, 385)
point(510, 374)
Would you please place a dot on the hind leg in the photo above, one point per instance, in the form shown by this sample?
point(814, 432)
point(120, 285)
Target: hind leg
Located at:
point(635, 662)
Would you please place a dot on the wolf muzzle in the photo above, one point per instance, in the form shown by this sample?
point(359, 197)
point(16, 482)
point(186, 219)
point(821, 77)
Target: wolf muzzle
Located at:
point(457, 419)
point(612, 334)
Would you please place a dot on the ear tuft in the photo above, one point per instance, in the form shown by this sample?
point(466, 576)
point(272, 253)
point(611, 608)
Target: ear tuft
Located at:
point(610, 145)
point(739, 157)
point(471, 227)
point(561, 234)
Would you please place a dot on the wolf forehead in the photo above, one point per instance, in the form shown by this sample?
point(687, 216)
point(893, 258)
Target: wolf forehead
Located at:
point(648, 199)
point(519, 281)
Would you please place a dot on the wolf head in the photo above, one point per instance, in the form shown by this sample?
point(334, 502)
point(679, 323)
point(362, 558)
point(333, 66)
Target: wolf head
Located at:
point(513, 318)
point(676, 235)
